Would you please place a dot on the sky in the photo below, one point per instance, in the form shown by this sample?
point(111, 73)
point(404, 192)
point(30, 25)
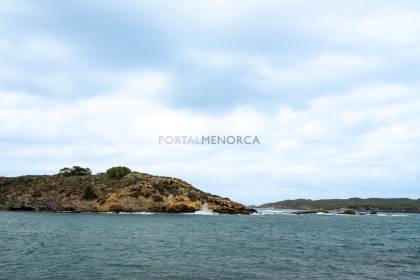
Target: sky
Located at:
point(330, 88)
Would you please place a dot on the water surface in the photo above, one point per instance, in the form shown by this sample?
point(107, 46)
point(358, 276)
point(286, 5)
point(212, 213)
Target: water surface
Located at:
point(275, 245)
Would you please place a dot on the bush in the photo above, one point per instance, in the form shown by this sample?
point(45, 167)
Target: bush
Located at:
point(193, 196)
point(74, 171)
point(118, 172)
point(89, 193)
point(157, 198)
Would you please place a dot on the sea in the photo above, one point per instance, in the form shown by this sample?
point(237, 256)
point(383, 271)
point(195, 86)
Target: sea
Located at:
point(272, 244)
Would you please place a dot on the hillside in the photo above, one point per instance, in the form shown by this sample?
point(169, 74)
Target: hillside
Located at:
point(134, 192)
point(402, 205)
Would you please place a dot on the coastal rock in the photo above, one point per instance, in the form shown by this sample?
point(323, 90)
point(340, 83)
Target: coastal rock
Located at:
point(348, 211)
point(310, 211)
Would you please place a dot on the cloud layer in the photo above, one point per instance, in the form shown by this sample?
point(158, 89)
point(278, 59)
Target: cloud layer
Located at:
point(331, 91)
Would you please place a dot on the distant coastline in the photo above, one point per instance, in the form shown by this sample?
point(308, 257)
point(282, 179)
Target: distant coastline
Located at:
point(348, 206)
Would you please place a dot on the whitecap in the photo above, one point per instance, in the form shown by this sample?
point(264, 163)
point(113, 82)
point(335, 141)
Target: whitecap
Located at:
point(135, 213)
point(272, 211)
point(326, 214)
point(204, 211)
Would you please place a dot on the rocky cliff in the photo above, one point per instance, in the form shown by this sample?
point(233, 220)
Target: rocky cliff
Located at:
point(135, 192)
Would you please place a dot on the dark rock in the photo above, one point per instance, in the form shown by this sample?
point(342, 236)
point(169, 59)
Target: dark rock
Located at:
point(348, 211)
point(309, 211)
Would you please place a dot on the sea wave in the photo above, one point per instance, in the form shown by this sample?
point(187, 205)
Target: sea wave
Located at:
point(392, 215)
point(205, 210)
point(129, 213)
point(326, 214)
point(203, 213)
point(273, 211)
point(136, 213)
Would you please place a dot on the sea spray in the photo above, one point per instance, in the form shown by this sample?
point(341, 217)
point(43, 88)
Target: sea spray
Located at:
point(204, 210)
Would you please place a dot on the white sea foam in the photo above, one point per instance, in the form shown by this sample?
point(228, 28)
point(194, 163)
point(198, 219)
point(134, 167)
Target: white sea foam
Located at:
point(204, 211)
point(272, 211)
point(135, 213)
point(392, 215)
point(127, 213)
point(326, 214)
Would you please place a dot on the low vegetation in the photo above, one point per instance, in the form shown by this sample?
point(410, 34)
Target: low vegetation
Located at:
point(118, 172)
point(74, 171)
point(89, 193)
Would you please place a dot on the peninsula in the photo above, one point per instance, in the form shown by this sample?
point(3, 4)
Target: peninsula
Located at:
point(349, 206)
point(117, 190)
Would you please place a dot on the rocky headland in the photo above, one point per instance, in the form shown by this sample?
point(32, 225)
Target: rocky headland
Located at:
point(118, 190)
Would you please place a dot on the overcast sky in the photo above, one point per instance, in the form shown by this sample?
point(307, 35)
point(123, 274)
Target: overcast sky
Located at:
point(331, 90)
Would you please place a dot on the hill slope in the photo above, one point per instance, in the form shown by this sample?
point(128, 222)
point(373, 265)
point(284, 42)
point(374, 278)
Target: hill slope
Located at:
point(134, 192)
point(358, 204)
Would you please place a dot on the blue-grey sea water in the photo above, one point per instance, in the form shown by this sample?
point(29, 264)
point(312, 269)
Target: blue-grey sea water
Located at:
point(270, 246)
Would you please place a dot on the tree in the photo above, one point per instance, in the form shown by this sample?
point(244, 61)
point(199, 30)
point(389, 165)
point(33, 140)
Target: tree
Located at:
point(74, 171)
point(118, 172)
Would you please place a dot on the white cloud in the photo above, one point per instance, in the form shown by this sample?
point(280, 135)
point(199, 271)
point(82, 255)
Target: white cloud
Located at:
point(303, 71)
point(32, 49)
point(318, 69)
point(329, 141)
point(40, 62)
point(387, 27)
point(60, 107)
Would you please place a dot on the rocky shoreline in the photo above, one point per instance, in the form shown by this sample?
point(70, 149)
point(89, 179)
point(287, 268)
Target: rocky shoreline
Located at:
point(131, 192)
point(345, 211)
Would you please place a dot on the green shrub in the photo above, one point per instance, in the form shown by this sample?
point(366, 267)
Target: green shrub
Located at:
point(157, 198)
point(101, 200)
point(166, 188)
point(36, 193)
point(193, 196)
point(89, 193)
point(74, 171)
point(118, 172)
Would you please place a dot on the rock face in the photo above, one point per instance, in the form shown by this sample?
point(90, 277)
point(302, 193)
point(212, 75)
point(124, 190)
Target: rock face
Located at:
point(136, 192)
point(348, 211)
